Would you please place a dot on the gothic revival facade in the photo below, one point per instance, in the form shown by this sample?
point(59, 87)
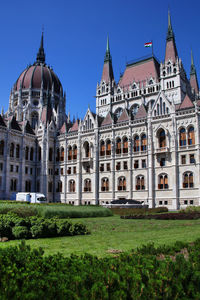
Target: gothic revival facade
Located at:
point(142, 143)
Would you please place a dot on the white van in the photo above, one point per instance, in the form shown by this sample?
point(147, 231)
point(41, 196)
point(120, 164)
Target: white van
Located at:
point(31, 197)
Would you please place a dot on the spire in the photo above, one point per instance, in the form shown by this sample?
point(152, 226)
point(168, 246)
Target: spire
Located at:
point(192, 69)
point(170, 34)
point(107, 55)
point(41, 54)
point(107, 74)
point(170, 51)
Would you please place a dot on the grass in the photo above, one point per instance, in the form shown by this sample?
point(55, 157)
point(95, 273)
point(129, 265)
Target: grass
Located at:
point(110, 235)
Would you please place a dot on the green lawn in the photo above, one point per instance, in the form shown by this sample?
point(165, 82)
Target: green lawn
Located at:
point(108, 233)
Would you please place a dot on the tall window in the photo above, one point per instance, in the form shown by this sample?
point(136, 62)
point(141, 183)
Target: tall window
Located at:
point(34, 120)
point(140, 183)
point(136, 143)
point(27, 153)
point(191, 137)
point(125, 145)
point(102, 148)
point(39, 153)
point(69, 153)
point(31, 153)
point(108, 147)
point(87, 185)
point(27, 186)
point(143, 142)
point(163, 182)
point(72, 186)
point(59, 187)
point(13, 185)
point(122, 184)
point(50, 154)
point(87, 149)
point(12, 148)
point(182, 137)
point(118, 146)
point(38, 186)
point(104, 184)
point(188, 180)
point(74, 152)
point(2, 148)
point(62, 154)
point(50, 186)
point(162, 139)
point(17, 151)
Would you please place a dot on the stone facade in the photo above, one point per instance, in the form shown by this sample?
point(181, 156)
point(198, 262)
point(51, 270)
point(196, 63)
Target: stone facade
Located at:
point(142, 143)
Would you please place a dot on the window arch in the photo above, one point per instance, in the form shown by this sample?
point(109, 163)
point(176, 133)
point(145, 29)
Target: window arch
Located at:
point(62, 154)
point(182, 137)
point(12, 149)
point(87, 185)
point(118, 112)
point(72, 186)
point(50, 154)
point(140, 183)
point(163, 182)
point(74, 152)
point(188, 181)
point(136, 144)
point(191, 136)
point(143, 142)
point(31, 153)
point(104, 184)
point(162, 139)
point(118, 146)
point(108, 147)
point(125, 145)
point(87, 149)
point(34, 119)
point(121, 184)
point(2, 147)
point(70, 153)
point(102, 148)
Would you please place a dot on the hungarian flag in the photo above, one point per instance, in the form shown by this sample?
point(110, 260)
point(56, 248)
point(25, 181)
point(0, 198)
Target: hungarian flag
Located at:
point(148, 44)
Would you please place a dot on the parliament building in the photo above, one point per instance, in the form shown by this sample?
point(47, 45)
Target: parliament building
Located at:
point(142, 143)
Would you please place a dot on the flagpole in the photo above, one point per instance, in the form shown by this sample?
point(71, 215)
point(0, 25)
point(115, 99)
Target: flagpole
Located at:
point(152, 47)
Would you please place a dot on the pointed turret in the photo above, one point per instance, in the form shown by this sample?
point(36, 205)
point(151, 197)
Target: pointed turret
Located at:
point(193, 76)
point(107, 74)
point(41, 54)
point(171, 51)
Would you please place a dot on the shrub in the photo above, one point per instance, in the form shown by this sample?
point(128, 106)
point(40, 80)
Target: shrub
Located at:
point(168, 216)
point(21, 232)
point(138, 211)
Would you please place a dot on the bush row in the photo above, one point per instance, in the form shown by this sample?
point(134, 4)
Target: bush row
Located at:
point(138, 211)
point(14, 227)
point(168, 216)
point(61, 211)
point(141, 274)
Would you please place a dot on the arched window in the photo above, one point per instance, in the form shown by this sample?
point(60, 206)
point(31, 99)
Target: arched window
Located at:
point(31, 153)
point(162, 139)
point(191, 137)
point(17, 151)
point(50, 186)
point(163, 182)
point(118, 146)
point(13, 185)
point(74, 152)
point(38, 186)
point(87, 149)
point(188, 180)
point(182, 137)
point(50, 154)
point(108, 147)
point(122, 184)
point(118, 112)
point(136, 144)
point(140, 183)
point(39, 153)
point(27, 186)
point(87, 185)
point(62, 154)
point(134, 109)
point(143, 142)
point(72, 186)
point(102, 148)
point(125, 145)
point(34, 119)
point(27, 153)
point(104, 184)
point(59, 187)
point(12, 148)
point(70, 153)
point(2, 148)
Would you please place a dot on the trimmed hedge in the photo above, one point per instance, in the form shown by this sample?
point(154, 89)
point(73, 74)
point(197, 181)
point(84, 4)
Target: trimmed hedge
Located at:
point(145, 273)
point(14, 227)
point(138, 211)
point(169, 216)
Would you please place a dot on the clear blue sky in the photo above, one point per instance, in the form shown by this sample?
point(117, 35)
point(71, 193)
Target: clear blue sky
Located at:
point(75, 35)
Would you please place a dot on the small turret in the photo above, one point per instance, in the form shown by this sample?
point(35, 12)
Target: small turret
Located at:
point(171, 50)
point(41, 54)
point(193, 77)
